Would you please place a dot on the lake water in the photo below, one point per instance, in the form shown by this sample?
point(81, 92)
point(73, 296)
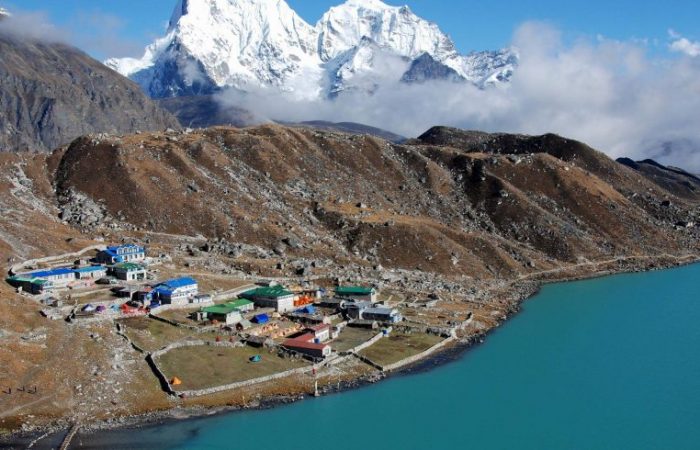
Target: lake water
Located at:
point(611, 363)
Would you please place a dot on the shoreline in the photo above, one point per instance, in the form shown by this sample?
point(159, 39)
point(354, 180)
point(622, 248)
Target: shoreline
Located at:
point(522, 290)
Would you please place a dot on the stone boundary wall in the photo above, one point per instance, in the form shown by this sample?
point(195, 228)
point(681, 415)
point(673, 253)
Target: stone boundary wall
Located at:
point(132, 343)
point(240, 384)
point(368, 361)
point(369, 343)
point(418, 357)
point(164, 382)
point(47, 259)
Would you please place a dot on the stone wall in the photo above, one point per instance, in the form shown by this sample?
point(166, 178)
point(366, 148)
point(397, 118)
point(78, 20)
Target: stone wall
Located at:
point(418, 357)
point(369, 343)
point(240, 384)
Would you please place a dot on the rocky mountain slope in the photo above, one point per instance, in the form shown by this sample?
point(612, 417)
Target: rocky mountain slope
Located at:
point(248, 44)
point(676, 180)
point(52, 93)
point(450, 202)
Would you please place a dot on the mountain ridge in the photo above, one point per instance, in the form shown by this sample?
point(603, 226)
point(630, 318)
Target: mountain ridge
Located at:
point(252, 44)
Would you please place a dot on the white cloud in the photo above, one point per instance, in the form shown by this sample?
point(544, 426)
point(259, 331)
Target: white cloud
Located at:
point(31, 25)
point(683, 45)
point(609, 94)
point(94, 32)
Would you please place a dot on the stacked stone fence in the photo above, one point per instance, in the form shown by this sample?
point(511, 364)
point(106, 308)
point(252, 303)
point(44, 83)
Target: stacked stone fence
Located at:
point(418, 357)
point(121, 333)
point(368, 361)
point(364, 345)
point(241, 384)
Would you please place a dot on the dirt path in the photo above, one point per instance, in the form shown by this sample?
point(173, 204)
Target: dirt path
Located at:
point(11, 411)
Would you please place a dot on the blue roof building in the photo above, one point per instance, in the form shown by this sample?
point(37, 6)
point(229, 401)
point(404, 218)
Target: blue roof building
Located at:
point(121, 253)
point(178, 291)
point(56, 277)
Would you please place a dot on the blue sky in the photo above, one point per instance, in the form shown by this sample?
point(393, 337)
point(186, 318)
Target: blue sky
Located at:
point(474, 25)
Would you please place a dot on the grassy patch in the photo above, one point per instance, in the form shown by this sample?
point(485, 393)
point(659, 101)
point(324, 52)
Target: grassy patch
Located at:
point(151, 334)
point(399, 346)
point(203, 367)
point(351, 337)
point(179, 315)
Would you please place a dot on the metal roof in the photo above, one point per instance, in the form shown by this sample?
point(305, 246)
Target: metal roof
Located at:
point(297, 343)
point(227, 308)
point(176, 283)
point(47, 273)
point(20, 279)
point(240, 303)
point(268, 292)
point(90, 269)
point(113, 249)
point(354, 290)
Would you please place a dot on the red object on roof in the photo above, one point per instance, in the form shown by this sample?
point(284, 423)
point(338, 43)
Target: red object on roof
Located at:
point(298, 343)
point(306, 337)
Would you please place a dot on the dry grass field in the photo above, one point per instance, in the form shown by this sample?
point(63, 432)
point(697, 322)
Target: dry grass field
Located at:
point(203, 367)
point(399, 346)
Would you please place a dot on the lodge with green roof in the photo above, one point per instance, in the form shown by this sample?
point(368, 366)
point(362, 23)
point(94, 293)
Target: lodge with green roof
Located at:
point(229, 313)
point(129, 271)
point(277, 297)
point(29, 284)
point(362, 293)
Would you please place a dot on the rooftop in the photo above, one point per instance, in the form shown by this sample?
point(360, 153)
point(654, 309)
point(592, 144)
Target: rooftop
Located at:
point(47, 273)
point(300, 343)
point(226, 308)
point(89, 269)
point(20, 279)
point(178, 282)
point(240, 303)
point(354, 290)
point(269, 292)
point(130, 247)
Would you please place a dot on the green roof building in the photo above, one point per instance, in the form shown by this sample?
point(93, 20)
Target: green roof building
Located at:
point(357, 293)
point(129, 271)
point(240, 305)
point(31, 285)
point(277, 297)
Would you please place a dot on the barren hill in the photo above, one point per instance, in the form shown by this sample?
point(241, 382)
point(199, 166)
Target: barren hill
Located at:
point(52, 93)
point(480, 205)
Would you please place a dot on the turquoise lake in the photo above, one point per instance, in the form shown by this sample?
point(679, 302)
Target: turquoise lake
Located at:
point(610, 363)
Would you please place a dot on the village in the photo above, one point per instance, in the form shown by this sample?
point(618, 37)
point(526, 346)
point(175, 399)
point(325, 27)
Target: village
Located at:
point(200, 339)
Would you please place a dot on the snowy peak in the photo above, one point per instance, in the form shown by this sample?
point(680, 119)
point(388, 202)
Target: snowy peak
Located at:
point(391, 27)
point(251, 44)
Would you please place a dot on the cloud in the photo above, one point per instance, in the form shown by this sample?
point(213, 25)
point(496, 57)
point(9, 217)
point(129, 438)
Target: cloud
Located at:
point(94, 32)
point(681, 44)
point(31, 25)
point(609, 94)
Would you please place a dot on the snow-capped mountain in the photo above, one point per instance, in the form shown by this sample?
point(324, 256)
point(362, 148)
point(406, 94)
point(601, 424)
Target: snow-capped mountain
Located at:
point(250, 44)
